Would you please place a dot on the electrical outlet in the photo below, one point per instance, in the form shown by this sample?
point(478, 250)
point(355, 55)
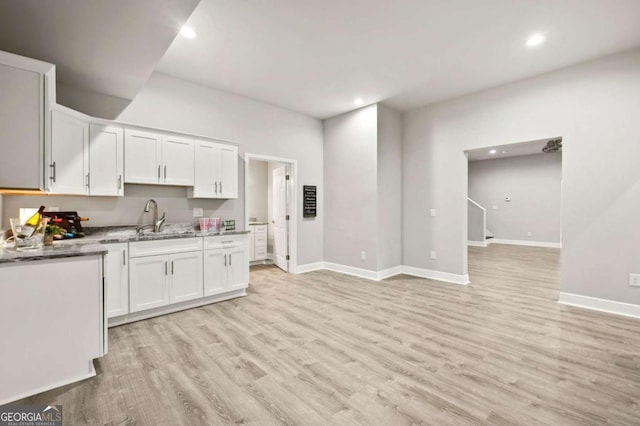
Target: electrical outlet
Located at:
point(433, 255)
point(529, 234)
point(495, 207)
point(197, 212)
point(363, 255)
point(634, 280)
point(53, 209)
point(433, 212)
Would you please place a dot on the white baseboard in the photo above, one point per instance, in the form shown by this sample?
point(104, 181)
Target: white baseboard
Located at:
point(385, 273)
point(388, 273)
point(436, 275)
point(525, 243)
point(476, 243)
point(309, 267)
point(602, 305)
point(350, 270)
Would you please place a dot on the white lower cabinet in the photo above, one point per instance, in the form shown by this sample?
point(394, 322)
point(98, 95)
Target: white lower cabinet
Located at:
point(186, 277)
point(157, 279)
point(145, 275)
point(148, 283)
point(161, 280)
point(117, 275)
point(226, 264)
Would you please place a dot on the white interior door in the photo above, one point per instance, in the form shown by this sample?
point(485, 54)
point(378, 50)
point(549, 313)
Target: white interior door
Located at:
point(279, 191)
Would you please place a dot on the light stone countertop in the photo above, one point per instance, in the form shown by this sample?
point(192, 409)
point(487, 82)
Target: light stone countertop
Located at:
point(91, 243)
point(60, 249)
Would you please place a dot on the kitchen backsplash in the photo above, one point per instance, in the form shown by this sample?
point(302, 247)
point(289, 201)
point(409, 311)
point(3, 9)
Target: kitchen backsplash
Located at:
point(128, 210)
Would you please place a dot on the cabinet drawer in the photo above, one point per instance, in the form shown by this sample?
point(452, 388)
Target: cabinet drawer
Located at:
point(260, 229)
point(224, 241)
point(260, 239)
point(260, 254)
point(155, 247)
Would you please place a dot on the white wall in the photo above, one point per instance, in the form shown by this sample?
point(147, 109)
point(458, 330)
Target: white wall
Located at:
point(258, 190)
point(350, 181)
point(595, 108)
point(389, 188)
point(532, 182)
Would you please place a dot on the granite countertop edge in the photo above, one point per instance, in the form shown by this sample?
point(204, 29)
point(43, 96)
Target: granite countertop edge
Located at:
point(92, 243)
point(57, 251)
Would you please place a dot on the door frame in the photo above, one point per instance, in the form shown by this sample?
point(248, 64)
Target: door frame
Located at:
point(293, 201)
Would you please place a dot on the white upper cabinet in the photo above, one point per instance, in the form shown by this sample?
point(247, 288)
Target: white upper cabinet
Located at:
point(228, 171)
point(27, 87)
point(153, 158)
point(216, 171)
point(69, 154)
point(177, 155)
point(143, 157)
point(206, 156)
point(106, 160)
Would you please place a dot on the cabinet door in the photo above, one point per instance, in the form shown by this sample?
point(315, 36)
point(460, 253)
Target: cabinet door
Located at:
point(148, 282)
point(177, 156)
point(117, 273)
point(186, 276)
point(205, 168)
point(237, 268)
point(228, 172)
point(69, 154)
point(21, 127)
point(106, 160)
point(215, 272)
point(142, 157)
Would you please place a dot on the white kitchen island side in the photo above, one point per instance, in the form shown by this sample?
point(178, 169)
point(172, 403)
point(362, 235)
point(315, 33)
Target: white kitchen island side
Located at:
point(51, 322)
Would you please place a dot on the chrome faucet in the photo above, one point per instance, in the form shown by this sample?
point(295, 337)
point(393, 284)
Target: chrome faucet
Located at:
point(157, 223)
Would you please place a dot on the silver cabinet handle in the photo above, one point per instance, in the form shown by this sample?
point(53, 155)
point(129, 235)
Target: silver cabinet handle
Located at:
point(53, 171)
point(87, 178)
point(165, 172)
point(124, 257)
point(158, 172)
point(165, 268)
point(225, 259)
point(216, 187)
point(120, 182)
point(221, 187)
point(172, 267)
point(229, 259)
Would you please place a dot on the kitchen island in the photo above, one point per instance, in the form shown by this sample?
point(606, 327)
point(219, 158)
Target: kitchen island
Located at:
point(52, 317)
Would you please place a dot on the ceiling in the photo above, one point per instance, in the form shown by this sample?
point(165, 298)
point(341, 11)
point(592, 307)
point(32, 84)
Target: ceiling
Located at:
point(508, 150)
point(104, 46)
point(316, 57)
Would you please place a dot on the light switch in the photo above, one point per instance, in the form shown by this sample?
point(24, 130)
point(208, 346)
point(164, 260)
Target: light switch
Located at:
point(197, 212)
point(433, 255)
point(433, 212)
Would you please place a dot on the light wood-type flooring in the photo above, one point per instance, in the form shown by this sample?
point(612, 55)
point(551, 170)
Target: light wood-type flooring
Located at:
point(324, 348)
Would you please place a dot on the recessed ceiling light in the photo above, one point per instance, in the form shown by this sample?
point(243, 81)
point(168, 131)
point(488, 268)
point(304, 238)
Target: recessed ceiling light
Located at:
point(188, 32)
point(493, 151)
point(535, 40)
point(358, 101)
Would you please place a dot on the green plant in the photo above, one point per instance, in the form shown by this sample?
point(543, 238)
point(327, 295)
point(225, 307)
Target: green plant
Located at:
point(53, 230)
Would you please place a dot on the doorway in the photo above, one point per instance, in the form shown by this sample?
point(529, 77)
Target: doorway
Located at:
point(270, 210)
point(514, 197)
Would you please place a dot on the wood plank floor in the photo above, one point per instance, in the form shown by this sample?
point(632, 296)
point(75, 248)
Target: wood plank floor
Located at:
point(325, 348)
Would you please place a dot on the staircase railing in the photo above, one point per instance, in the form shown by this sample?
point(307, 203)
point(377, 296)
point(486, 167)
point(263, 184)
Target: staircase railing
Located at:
point(476, 222)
